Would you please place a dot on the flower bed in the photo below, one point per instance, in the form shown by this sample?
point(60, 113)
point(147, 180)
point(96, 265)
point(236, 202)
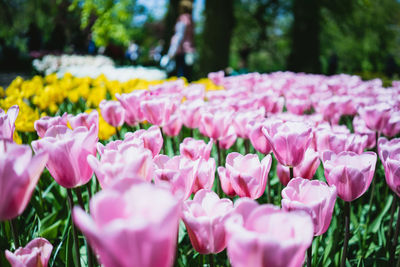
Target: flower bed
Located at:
point(251, 170)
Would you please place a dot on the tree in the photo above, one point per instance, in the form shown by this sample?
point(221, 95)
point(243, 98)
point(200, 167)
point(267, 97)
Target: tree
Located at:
point(216, 37)
point(305, 37)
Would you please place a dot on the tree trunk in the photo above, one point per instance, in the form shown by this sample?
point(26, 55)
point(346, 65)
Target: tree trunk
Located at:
point(216, 38)
point(170, 21)
point(305, 47)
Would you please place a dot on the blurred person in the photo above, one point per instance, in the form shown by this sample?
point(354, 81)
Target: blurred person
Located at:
point(182, 42)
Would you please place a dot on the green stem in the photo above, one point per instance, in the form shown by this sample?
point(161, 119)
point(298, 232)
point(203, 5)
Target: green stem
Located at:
point(309, 256)
point(211, 260)
point(89, 189)
point(219, 164)
point(88, 250)
point(246, 146)
point(346, 233)
point(318, 239)
point(74, 231)
point(118, 133)
point(14, 232)
point(395, 237)
point(269, 190)
point(291, 175)
point(392, 211)
point(163, 150)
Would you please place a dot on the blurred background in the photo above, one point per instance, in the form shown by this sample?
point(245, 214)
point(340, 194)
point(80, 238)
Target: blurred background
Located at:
point(314, 36)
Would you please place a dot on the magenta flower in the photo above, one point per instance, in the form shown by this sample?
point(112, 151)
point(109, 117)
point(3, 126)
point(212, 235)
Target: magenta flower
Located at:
point(289, 141)
point(19, 174)
point(195, 149)
point(360, 127)
point(43, 124)
point(204, 217)
point(152, 139)
point(242, 118)
point(191, 113)
point(257, 137)
point(131, 224)
point(306, 169)
point(389, 153)
point(314, 197)
point(178, 172)
point(246, 175)
point(264, 235)
point(338, 142)
point(351, 173)
point(173, 126)
point(112, 112)
point(35, 253)
point(205, 174)
point(227, 141)
point(131, 104)
point(392, 127)
point(127, 161)
point(194, 92)
point(7, 122)
point(68, 150)
point(158, 110)
point(376, 116)
point(84, 119)
point(215, 125)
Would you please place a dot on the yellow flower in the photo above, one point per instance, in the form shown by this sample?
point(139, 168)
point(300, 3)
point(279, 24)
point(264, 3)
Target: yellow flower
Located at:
point(17, 138)
point(105, 129)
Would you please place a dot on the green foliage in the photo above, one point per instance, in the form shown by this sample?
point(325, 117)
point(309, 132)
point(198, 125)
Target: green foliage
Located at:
point(108, 20)
point(364, 36)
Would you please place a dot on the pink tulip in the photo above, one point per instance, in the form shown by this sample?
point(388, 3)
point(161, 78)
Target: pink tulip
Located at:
point(289, 141)
point(215, 125)
point(84, 119)
point(43, 124)
point(227, 141)
point(178, 171)
point(338, 142)
point(314, 197)
point(194, 92)
point(360, 127)
point(205, 174)
point(242, 118)
point(389, 153)
point(264, 235)
point(216, 77)
point(19, 174)
point(257, 137)
point(191, 113)
point(376, 116)
point(195, 149)
point(392, 128)
point(35, 253)
point(271, 102)
point(173, 126)
point(68, 150)
point(7, 122)
point(131, 104)
point(131, 224)
point(152, 139)
point(158, 110)
point(246, 175)
point(112, 112)
point(127, 161)
point(351, 173)
point(204, 217)
point(306, 169)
